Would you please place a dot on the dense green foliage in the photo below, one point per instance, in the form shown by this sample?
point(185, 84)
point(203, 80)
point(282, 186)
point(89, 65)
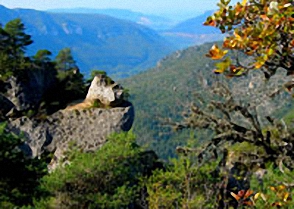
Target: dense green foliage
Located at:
point(64, 60)
point(185, 183)
point(275, 190)
point(13, 44)
point(20, 176)
point(108, 178)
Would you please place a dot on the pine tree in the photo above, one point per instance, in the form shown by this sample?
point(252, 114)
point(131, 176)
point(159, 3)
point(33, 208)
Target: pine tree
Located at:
point(18, 39)
point(64, 60)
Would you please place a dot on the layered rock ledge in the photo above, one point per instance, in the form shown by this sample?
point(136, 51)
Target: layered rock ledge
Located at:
point(86, 124)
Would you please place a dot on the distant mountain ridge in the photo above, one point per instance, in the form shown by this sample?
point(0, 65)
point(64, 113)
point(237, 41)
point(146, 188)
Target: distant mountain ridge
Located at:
point(195, 25)
point(119, 47)
point(153, 21)
point(182, 34)
point(192, 31)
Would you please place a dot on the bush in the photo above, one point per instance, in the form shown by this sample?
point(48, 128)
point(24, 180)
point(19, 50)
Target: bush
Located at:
point(108, 178)
point(275, 189)
point(186, 183)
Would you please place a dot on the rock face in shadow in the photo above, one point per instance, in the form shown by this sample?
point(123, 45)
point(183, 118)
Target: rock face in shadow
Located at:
point(27, 91)
point(83, 124)
point(5, 106)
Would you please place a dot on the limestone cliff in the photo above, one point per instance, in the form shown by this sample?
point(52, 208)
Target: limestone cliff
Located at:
point(85, 124)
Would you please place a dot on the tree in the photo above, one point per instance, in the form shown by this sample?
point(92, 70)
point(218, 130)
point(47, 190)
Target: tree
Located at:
point(42, 55)
point(4, 37)
point(18, 39)
point(185, 183)
point(13, 42)
point(245, 141)
point(5, 61)
point(64, 60)
point(262, 29)
point(71, 85)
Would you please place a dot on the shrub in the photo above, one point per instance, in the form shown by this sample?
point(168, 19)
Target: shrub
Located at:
point(107, 178)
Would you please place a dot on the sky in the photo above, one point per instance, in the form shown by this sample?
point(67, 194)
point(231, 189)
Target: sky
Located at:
point(157, 7)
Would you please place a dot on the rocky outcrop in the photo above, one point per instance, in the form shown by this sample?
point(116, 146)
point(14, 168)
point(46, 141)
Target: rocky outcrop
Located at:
point(85, 126)
point(88, 128)
point(105, 90)
point(5, 106)
point(27, 91)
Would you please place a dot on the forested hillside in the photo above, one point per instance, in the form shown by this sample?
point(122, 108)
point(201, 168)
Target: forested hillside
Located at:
point(162, 91)
point(168, 89)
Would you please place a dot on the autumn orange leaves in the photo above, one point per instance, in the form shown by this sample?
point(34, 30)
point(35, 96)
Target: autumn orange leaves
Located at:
point(215, 53)
point(277, 197)
point(263, 29)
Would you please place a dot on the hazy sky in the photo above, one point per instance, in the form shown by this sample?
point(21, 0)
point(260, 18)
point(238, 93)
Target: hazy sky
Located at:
point(145, 6)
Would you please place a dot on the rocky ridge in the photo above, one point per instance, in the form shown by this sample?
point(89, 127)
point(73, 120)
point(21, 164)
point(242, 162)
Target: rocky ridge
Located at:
point(86, 124)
